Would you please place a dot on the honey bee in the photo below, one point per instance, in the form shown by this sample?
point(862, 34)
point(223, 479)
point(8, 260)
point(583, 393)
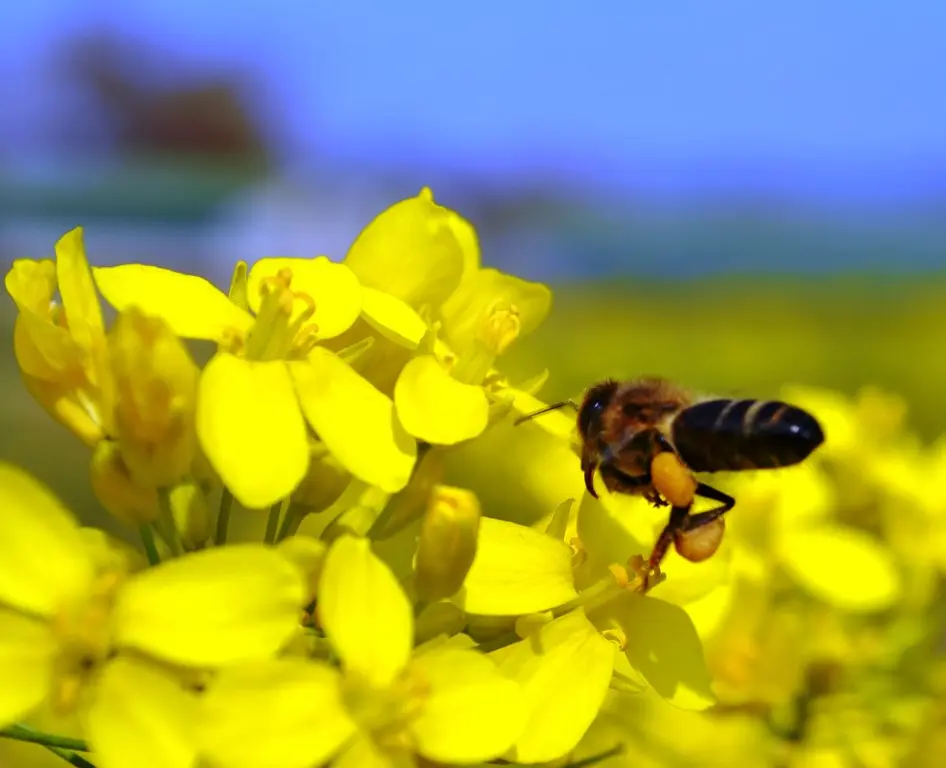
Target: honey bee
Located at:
point(648, 436)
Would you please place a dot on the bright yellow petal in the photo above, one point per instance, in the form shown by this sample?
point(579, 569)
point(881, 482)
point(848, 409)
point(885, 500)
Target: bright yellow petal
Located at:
point(364, 752)
point(392, 318)
point(77, 289)
point(285, 712)
point(251, 428)
point(842, 566)
point(333, 287)
point(411, 251)
point(193, 307)
point(355, 421)
point(364, 611)
point(517, 570)
point(564, 671)
point(213, 607)
point(664, 647)
point(472, 713)
point(43, 561)
point(27, 653)
point(141, 716)
point(435, 407)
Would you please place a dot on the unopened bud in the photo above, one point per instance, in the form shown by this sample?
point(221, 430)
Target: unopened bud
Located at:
point(325, 480)
point(155, 395)
point(120, 494)
point(191, 515)
point(447, 546)
point(308, 555)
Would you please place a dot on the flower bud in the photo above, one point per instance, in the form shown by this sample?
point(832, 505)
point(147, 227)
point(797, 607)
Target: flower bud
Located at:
point(191, 514)
point(324, 482)
point(119, 493)
point(156, 390)
point(447, 546)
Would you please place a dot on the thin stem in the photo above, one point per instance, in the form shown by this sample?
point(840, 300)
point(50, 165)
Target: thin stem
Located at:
point(223, 517)
point(25, 733)
point(272, 523)
point(595, 596)
point(291, 521)
point(151, 549)
point(167, 522)
point(71, 757)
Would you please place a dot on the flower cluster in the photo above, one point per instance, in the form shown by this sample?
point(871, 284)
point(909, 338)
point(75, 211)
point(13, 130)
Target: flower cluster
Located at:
point(386, 618)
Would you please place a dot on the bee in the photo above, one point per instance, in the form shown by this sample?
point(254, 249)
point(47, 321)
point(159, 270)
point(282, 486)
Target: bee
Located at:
point(648, 436)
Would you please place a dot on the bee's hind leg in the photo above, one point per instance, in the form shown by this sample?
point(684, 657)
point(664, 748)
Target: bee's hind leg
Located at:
point(726, 502)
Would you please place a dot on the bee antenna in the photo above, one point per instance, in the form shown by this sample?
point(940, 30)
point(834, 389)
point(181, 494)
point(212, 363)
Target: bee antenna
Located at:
point(553, 407)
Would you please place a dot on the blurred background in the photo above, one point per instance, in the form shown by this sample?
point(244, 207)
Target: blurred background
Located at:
point(736, 195)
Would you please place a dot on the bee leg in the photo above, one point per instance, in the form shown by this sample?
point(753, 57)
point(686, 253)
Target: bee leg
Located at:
point(676, 523)
point(726, 502)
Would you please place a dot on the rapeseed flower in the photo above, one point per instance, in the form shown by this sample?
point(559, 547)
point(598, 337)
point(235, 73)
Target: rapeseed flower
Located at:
point(60, 346)
point(384, 707)
point(269, 377)
point(82, 634)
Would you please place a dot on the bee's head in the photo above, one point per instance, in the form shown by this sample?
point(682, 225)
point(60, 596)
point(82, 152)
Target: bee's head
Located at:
point(595, 403)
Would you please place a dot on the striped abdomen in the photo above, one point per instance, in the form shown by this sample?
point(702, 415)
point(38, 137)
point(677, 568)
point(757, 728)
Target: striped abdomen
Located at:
point(726, 435)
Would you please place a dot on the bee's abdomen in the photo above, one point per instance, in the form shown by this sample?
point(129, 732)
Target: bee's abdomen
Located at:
point(726, 435)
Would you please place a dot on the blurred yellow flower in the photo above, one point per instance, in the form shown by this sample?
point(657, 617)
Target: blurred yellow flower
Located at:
point(269, 378)
point(155, 398)
point(61, 347)
point(385, 705)
point(82, 634)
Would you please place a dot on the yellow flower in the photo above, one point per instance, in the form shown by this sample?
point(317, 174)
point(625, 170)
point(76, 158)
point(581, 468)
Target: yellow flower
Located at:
point(385, 705)
point(257, 393)
point(519, 571)
point(155, 396)
point(61, 348)
point(82, 634)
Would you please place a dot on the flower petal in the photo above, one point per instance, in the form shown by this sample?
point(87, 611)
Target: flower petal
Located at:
point(844, 567)
point(392, 318)
point(472, 713)
point(27, 652)
point(213, 607)
point(141, 716)
point(77, 289)
point(435, 407)
point(516, 570)
point(251, 428)
point(410, 250)
point(664, 647)
point(355, 421)
point(191, 305)
point(364, 611)
point(43, 562)
point(292, 708)
point(333, 287)
point(564, 671)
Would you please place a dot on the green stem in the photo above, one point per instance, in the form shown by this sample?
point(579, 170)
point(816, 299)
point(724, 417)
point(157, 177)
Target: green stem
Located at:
point(167, 522)
point(291, 521)
point(595, 596)
point(151, 549)
point(71, 757)
point(223, 517)
point(272, 523)
point(25, 733)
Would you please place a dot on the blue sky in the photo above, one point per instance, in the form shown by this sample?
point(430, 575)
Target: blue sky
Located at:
point(842, 97)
